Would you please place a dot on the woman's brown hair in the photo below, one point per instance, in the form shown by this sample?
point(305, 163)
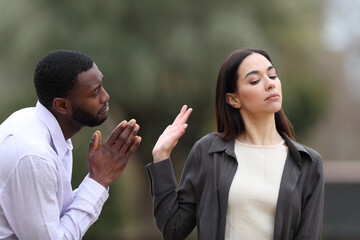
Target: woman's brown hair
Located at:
point(228, 119)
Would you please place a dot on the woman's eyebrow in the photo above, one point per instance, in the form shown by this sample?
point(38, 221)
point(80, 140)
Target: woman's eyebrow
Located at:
point(252, 72)
point(271, 67)
point(257, 71)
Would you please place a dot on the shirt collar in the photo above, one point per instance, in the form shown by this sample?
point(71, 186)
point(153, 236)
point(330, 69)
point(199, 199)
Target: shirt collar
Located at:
point(47, 118)
point(219, 145)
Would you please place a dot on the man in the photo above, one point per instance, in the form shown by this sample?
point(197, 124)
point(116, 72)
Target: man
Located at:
point(36, 198)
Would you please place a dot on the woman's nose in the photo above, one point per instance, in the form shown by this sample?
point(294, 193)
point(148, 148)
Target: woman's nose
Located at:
point(270, 84)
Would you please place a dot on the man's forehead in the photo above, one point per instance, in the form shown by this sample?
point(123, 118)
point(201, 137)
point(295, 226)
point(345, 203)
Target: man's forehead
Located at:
point(91, 76)
point(89, 80)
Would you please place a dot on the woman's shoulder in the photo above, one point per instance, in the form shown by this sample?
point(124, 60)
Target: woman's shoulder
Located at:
point(205, 142)
point(211, 143)
point(309, 155)
point(302, 149)
point(315, 156)
point(208, 139)
point(204, 147)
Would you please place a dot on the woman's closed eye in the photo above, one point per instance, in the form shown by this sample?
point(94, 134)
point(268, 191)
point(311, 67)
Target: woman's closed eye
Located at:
point(255, 82)
point(273, 77)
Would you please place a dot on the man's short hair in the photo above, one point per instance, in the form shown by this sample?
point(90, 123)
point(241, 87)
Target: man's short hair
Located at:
point(56, 74)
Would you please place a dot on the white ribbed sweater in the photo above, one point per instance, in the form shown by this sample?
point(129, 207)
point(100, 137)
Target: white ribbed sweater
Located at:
point(254, 191)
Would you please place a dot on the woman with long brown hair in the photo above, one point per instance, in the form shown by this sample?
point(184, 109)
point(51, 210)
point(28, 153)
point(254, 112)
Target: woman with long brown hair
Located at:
point(250, 179)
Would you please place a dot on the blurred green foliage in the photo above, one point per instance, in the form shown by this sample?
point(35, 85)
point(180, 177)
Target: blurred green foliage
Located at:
point(156, 56)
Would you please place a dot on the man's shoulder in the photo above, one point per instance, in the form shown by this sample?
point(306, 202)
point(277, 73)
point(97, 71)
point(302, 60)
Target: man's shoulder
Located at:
point(19, 114)
point(23, 119)
point(22, 133)
point(15, 148)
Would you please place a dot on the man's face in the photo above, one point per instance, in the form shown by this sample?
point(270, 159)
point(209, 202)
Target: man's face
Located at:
point(89, 99)
point(86, 118)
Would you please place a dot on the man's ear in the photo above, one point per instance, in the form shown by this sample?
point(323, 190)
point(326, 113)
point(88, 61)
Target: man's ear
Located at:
point(233, 100)
point(61, 105)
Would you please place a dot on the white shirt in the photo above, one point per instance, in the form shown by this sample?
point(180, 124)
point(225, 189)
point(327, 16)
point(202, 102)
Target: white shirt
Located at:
point(254, 191)
point(36, 197)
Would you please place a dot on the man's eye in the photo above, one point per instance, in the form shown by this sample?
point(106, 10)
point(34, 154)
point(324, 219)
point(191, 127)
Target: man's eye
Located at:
point(273, 77)
point(97, 92)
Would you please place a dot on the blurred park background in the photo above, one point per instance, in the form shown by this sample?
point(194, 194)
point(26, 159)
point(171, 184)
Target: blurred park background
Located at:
point(158, 55)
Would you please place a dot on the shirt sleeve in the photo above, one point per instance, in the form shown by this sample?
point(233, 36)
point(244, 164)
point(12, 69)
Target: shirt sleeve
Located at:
point(33, 204)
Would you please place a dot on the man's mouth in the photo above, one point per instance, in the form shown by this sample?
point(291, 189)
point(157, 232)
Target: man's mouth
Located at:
point(105, 108)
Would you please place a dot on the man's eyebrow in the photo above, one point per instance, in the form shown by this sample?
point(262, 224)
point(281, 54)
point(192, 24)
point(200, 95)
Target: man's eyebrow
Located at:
point(95, 89)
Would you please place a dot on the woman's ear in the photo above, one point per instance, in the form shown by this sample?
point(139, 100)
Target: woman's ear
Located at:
point(233, 100)
point(61, 105)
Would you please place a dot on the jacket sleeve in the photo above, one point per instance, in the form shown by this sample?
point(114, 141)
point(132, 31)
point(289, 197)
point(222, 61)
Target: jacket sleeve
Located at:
point(174, 210)
point(312, 209)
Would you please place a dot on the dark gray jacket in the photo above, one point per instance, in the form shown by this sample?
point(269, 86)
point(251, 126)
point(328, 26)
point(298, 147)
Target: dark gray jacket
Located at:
point(202, 197)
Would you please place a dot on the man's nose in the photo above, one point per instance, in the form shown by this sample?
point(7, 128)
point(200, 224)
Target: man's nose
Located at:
point(105, 96)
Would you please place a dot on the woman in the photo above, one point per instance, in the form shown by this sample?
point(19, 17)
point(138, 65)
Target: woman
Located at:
point(250, 180)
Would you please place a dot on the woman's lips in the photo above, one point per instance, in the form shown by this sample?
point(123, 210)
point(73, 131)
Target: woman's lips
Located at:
point(273, 96)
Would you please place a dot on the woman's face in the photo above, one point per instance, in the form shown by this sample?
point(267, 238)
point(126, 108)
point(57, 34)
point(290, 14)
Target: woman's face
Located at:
point(259, 88)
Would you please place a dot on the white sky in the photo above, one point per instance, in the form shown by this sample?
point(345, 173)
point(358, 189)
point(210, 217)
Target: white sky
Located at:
point(342, 34)
point(342, 23)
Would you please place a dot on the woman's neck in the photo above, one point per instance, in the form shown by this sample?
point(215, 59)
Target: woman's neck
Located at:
point(260, 130)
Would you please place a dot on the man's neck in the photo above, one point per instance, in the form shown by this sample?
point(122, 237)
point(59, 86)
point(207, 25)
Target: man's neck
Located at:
point(68, 126)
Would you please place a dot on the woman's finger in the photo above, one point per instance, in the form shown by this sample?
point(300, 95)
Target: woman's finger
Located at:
point(180, 115)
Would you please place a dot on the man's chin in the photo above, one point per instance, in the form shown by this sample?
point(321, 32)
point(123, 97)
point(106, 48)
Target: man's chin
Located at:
point(96, 123)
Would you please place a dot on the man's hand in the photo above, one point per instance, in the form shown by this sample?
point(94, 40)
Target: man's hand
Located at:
point(108, 161)
point(169, 138)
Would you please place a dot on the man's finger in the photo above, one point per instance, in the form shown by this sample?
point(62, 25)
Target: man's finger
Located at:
point(134, 145)
point(115, 134)
point(123, 136)
point(98, 140)
point(95, 142)
point(125, 139)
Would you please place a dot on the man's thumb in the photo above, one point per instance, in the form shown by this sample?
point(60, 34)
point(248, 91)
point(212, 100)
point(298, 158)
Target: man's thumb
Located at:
point(95, 141)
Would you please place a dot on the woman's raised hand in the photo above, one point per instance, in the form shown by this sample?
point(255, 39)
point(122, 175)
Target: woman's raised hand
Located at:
point(171, 135)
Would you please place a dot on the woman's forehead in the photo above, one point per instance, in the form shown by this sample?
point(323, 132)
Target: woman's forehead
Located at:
point(254, 62)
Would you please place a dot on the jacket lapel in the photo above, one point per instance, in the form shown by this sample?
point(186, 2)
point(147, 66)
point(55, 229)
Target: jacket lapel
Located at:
point(225, 166)
point(291, 174)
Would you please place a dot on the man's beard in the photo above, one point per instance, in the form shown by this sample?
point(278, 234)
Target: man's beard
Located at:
point(86, 118)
